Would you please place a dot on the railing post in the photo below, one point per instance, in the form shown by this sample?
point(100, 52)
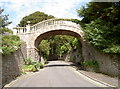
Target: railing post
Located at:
point(15, 32)
point(28, 28)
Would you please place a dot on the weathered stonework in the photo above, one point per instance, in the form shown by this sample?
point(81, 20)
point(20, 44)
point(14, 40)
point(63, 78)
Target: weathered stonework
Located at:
point(0, 70)
point(11, 64)
point(33, 35)
point(74, 56)
point(108, 64)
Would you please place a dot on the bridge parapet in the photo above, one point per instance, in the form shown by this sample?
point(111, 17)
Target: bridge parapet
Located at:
point(20, 30)
point(44, 24)
point(33, 35)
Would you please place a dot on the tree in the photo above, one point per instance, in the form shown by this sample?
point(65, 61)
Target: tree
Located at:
point(8, 43)
point(101, 25)
point(34, 18)
point(3, 23)
point(58, 45)
point(108, 11)
point(44, 48)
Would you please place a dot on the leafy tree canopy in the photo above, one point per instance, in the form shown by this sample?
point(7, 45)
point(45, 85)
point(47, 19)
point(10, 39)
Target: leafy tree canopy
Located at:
point(101, 25)
point(54, 44)
point(4, 22)
point(45, 48)
point(58, 45)
point(8, 43)
point(108, 11)
point(34, 18)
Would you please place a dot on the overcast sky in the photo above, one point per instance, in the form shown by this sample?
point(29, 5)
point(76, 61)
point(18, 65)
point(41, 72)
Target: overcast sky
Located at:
point(17, 9)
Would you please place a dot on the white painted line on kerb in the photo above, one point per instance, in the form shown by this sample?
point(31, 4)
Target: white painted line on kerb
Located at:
point(91, 80)
point(7, 86)
point(104, 83)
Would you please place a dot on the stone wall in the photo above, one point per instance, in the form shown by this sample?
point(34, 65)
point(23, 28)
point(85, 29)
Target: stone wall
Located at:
point(52, 57)
point(11, 64)
point(108, 64)
point(74, 56)
point(0, 70)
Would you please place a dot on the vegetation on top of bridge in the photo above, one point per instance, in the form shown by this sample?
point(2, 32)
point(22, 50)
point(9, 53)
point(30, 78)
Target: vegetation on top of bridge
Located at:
point(101, 24)
point(34, 18)
point(57, 45)
point(38, 16)
point(101, 28)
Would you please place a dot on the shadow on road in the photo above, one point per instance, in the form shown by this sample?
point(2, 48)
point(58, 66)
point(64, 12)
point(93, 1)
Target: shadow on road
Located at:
point(78, 66)
point(59, 65)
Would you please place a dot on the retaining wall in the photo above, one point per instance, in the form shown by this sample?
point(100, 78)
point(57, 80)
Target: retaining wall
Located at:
point(11, 64)
point(108, 64)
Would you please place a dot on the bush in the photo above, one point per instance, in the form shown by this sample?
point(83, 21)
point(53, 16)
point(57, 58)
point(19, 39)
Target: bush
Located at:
point(74, 59)
point(41, 65)
point(34, 69)
point(91, 64)
point(46, 62)
point(38, 64)
point(27, 61)
point(103, 36)
point(31, 66)
point(23, 73)
point(28, 68)
point(10, 44)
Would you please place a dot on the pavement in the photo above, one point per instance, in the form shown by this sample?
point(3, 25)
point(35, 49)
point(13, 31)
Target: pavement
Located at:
point(102, 78)
point(62, 74)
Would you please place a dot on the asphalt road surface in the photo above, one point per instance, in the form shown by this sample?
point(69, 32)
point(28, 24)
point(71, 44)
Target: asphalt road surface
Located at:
point(56, 74)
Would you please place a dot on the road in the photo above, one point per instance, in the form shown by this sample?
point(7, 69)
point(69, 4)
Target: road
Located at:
point(56, 74)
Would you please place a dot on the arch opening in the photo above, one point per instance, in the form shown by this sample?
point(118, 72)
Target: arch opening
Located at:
point(55, 32)
point(77, 54)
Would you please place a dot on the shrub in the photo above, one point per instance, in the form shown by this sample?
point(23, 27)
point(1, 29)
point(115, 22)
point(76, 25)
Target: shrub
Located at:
point(27, 68)
point(74, 59)
point(10, 44)
point(41, 65)
point(103, 36)
point(37, 64)
point(31, 66)
point(46, 62)
point(91, 64)
point(23, 73)
point(27, 61)
point(34, 69)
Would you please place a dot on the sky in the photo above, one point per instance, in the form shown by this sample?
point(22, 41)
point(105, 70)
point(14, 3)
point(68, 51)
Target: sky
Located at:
point(17, 9)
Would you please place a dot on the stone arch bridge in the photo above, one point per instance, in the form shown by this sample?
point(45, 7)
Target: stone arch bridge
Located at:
point(33, 35)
